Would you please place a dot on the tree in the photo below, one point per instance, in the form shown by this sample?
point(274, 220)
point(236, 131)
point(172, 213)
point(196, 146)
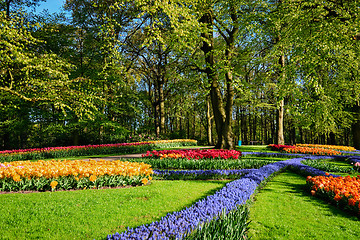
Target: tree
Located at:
point(217, 26)
point(325, 52)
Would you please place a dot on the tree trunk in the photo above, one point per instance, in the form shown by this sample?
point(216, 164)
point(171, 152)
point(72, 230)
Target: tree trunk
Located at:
point(7, 3)
point(356, 128)
point(161, 108)
point(280, 111)
point(244, 127)
point(228, 133)
point(156, 107)
point(280, 123)
point(209, 122)
point(222, 114)
point(215, 94)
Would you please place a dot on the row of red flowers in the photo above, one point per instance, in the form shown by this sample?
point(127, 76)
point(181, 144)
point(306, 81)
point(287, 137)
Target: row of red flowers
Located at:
point(195, 154)
point(343, 191)
point(279, 147)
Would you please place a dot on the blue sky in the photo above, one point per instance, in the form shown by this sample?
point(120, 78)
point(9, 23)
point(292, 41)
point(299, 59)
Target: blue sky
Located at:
point(52, 5)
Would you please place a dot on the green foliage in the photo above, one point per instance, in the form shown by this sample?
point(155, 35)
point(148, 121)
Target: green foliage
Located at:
point(33, 76)
point(328, 166)
point(67, 183)
point(130, 67)
point(229, 225)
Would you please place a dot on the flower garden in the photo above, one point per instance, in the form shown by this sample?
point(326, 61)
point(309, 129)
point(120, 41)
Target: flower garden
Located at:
point(248, 171)
point(65, 175)
point(90, 150)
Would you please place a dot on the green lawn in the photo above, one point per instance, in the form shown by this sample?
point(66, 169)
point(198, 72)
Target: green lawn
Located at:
point(92, 214)
point(284, 210)
point(281, 210)
point(253, 148)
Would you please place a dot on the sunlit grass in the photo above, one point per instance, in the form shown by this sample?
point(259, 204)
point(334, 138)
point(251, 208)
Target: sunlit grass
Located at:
point(92, 214)
point(284, 210)
point(253, 148)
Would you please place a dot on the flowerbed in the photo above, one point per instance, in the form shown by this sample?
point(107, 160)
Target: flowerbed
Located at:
point(195, 154)
point(118, 148)
point(53, 175)
point(279, 147)
point(334, 147)
point(306, 149)
point(311, 150)
point(342, 191)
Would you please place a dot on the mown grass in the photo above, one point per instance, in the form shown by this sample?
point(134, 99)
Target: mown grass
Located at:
point(284, 210)
point(92, 214)
point(253, 148)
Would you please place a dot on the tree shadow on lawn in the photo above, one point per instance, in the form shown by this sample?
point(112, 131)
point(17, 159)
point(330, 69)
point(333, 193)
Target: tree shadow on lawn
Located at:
point(302, 191)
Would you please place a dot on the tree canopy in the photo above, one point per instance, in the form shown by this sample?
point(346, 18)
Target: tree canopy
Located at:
point(259, 71)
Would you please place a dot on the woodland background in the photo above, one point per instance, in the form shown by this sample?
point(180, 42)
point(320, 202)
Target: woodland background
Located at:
point(107, 71)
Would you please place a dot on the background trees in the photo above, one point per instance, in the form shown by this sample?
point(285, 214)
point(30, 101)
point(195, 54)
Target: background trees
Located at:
point(259, 71)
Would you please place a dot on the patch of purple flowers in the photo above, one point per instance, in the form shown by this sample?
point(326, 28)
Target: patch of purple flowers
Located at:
point(273, 154)
point(165, 173)
point(354, 159)
point(176, 225)
point(356, 152)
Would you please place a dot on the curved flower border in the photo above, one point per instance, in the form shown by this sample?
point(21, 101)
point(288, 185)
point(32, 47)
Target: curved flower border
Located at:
point(177, 224)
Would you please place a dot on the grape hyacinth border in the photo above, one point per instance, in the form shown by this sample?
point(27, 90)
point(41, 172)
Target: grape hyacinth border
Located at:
point(177, 225)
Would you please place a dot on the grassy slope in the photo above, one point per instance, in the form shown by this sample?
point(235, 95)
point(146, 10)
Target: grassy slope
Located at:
point(283, 210)
point(92, 214)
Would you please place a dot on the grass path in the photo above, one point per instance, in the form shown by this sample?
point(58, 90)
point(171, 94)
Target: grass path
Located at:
point(92, 214)
point(284, 210)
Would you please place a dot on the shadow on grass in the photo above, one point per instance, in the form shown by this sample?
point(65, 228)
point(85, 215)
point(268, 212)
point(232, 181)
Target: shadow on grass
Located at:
point(302, 191)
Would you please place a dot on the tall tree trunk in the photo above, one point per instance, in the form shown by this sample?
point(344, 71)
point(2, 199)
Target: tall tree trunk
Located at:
point(209, 122)
point(280, 110)
point(215, 93)
point(7, 3)
point(356, 128)
point(280, 123)
point(244, 127)
point(228, 133)
point(161, 108)
point(222, 113)
point(157, 107)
